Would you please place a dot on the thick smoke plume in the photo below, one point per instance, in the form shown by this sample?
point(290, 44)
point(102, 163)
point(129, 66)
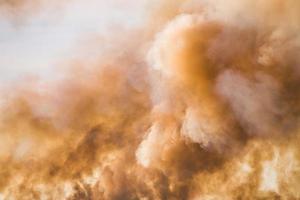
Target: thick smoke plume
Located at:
point(200, 103)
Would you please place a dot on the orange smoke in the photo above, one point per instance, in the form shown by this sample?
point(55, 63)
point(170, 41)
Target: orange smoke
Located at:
point(202, 103)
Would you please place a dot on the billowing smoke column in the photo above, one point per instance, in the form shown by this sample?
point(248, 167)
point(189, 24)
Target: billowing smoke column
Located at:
point(203, 104)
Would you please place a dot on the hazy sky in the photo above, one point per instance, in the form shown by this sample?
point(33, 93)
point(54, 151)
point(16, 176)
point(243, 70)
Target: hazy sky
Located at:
point(36, 45)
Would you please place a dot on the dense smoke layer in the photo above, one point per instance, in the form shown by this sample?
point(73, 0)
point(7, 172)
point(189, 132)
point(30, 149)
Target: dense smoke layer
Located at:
point(200, 103)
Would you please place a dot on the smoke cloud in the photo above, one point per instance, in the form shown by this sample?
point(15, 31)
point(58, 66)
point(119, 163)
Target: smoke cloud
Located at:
point(201, 102)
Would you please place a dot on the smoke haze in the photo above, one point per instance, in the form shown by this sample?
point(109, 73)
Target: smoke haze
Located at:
point(199, 101)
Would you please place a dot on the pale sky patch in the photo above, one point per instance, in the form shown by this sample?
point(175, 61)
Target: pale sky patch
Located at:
point(37, 46)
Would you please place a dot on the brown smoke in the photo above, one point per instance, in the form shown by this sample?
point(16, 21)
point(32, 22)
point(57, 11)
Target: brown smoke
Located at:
point(200, 103)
